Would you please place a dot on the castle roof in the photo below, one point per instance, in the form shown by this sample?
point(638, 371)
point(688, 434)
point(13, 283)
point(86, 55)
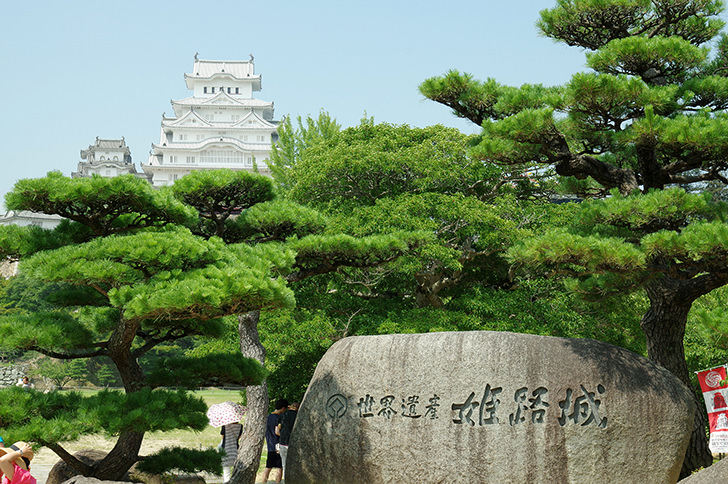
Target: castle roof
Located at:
point(210, 69)
point(222, 99)
point(199, 145)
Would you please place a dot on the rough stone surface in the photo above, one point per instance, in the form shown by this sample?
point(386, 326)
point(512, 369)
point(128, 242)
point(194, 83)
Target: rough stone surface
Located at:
point(495, 407)
point(714, 474)
point(62, 472)
point(136, 476)
point(9, 375)
point(90, 480)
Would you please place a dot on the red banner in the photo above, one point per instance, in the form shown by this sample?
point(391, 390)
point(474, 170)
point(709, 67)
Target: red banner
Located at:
point(715, 393)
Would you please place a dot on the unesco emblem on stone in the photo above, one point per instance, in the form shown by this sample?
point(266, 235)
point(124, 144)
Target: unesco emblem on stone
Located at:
point(336, 406)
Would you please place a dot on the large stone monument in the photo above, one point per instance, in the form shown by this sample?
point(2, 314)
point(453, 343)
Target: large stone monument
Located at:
point(488, 407)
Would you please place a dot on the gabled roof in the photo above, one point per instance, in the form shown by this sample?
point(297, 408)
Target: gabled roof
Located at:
point(258, 121)
point(25, 217)
point(217, 140)
point(108, 145)
point(239, 69)
point(222, 99)
point(186, 120)
point(209, 69)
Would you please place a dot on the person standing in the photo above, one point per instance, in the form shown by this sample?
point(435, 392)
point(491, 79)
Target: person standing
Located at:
point(274, 459)
point(284, 432)
point(15, 464)
point(24, 382)
point(230, 436)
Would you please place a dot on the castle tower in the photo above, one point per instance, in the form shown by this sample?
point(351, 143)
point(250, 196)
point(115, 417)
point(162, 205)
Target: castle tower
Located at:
point(107, 158)
point(221, 126)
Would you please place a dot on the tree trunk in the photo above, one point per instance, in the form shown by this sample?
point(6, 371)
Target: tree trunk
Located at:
point(251, 442)
point(664, 327)
point(114, 466)
point(125, 454)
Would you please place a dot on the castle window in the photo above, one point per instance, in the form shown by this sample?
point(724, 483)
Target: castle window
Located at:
point(204, 90)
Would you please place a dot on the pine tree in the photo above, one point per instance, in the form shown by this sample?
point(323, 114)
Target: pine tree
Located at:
point(127, 277)
point(240, 209)
point(650, 115)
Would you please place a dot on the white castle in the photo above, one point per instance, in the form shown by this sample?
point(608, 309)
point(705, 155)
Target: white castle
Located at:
point(221, 126)
point(106, 158)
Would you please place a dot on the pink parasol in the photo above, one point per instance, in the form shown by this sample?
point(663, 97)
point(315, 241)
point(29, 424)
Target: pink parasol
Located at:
point(225, 413)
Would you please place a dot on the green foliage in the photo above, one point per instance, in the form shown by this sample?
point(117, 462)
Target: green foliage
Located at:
point(105, 376)
point(17, 241)
point(649, 116)
point(62, 372)
point(131, 284)
point(620, 243)
point(360, 165)
point(22, 293)
point(104, 205)
point(43, 417)
point(478, 101)
point(670, 209)
point(600, 104)
point(706, 335)
point(292, 141)
point(711, 324)
point(594, 23)
point(214, 192)
point(218, 369)
point(166, 275)
point(180, 459)
point(51, 330)
point(533, 307)
point(276, 221)
point(295, 341)
point(655, 60)
point(136, 282)
point(377, 179)
point(65, 416)
point(146, 411)
point(319, 254)
point(217, 195)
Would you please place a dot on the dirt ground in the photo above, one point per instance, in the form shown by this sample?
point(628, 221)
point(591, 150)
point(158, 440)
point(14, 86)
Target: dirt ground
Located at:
point(46, 458)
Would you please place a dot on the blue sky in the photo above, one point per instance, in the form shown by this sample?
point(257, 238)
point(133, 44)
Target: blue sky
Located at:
point(75, 70)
